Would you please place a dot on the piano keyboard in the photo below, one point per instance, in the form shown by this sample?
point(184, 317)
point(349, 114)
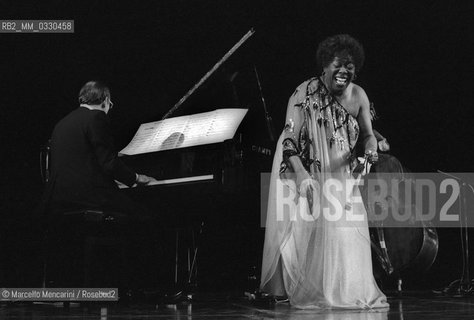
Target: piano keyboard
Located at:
point(203, 178)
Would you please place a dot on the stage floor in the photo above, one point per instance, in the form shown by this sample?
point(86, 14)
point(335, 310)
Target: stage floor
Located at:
point(413, 305)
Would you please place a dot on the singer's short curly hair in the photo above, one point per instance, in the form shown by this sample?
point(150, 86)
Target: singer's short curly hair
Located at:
point(341, 44)
point(93, 93)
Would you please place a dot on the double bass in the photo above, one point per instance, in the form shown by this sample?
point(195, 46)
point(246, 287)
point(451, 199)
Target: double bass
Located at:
point(412, 245)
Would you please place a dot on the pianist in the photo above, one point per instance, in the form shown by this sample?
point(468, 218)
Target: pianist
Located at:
point(84, 163)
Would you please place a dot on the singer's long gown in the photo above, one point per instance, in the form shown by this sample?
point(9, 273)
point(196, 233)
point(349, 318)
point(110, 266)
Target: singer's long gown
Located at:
point(317, 263)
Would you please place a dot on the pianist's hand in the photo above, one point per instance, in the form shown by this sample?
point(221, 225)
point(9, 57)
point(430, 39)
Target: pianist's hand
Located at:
point(143, 180)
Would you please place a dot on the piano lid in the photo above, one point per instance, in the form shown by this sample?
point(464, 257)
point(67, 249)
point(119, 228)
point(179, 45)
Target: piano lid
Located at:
point(185, 131)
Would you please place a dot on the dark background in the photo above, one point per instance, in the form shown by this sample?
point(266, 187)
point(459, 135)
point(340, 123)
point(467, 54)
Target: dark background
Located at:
point(418, 72)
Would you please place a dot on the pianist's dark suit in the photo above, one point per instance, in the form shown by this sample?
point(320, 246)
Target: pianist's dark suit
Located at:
point(84, 165)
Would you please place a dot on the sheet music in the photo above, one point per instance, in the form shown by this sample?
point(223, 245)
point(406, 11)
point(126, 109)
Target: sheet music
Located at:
point(185, 131)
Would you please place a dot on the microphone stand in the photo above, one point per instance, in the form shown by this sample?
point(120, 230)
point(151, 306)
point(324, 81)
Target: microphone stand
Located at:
point(268, 117)
point(461, 287)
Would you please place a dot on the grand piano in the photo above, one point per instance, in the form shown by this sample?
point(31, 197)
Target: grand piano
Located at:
point(215, 185)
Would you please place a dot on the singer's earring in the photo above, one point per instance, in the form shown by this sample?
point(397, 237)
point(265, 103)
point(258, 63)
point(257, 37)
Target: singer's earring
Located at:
point(323, 73)
point(354, 77)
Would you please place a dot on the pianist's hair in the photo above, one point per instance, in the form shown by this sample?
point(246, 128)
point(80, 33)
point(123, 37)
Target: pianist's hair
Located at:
point(93, 93)
point(340, 45)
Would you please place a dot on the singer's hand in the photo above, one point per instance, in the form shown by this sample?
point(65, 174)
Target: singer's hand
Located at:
point(384, 145)
point(143, 180)
point(307, 186)
point(303, 181)
point(309, 189)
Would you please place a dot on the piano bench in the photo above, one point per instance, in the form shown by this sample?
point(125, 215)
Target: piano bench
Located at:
point(71, 243)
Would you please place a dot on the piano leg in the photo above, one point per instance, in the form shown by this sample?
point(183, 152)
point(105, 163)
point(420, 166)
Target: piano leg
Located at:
point(185, 282)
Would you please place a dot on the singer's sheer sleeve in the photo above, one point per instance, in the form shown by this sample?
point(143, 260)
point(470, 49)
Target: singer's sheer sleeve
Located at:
point(295, 135)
